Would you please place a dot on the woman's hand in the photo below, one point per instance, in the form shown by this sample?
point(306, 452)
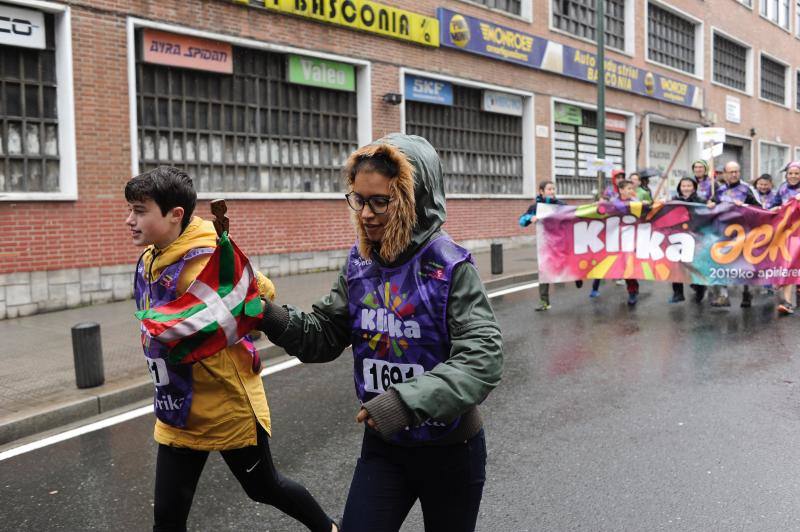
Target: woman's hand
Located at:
point(711, 204)
point(363, 417)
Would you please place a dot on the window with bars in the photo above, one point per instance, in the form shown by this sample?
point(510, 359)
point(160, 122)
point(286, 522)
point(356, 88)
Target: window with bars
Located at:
point(578, 18)
point(773, 81)
point(574, 144)
point(670, 39)
point(730, 63)
point(251, 131)
point(772, 158)
point(509, 6)
point(29, 154)
point(776, 11)
point(481, 152)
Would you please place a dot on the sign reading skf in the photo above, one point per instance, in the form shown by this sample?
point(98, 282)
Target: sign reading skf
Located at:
point(186, 52)
point(21, 27)
point(428, 90)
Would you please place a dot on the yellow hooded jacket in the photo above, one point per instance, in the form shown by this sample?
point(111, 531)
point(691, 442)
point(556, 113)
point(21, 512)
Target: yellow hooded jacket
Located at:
point(228, 398)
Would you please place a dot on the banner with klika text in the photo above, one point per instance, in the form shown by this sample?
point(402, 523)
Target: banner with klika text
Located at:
point(675, 241)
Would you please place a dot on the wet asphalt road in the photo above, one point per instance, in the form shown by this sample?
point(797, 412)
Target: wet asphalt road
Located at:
point(660, 417)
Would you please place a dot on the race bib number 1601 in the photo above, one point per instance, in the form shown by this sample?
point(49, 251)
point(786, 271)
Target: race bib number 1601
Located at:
point(380, 375)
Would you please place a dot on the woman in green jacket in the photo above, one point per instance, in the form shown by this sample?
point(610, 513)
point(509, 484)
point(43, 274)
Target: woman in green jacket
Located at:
point(426, 344)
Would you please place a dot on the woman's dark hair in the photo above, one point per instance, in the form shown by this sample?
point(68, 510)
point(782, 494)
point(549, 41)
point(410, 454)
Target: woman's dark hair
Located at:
point(168, 187)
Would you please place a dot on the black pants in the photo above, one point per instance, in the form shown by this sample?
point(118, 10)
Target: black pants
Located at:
point(448, 481)
point(178, 470)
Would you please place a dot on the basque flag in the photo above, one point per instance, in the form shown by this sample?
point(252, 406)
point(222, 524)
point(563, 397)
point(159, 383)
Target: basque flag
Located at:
point(219, 308)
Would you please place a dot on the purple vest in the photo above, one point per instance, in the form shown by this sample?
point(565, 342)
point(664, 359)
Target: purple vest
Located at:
point(768, 200)
point(786, 192)
point(173, 382)
point(398, 319)
point(730, 194)
point(704, 189)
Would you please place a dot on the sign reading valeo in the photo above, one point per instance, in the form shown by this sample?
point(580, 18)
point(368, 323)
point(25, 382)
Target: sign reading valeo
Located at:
point(21, 27)
point(363, 15)
point(321, 73)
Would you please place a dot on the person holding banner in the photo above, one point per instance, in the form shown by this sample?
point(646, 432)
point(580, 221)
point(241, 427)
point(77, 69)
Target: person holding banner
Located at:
point(214, 403)
point(789, 190)
point(427, 349)
point(700, 171)
point(687, 192)
point(738, 193)
point(641, 187)
point(762, 190)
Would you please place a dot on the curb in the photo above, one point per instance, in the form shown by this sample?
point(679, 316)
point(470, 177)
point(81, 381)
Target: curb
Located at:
point(140, 390)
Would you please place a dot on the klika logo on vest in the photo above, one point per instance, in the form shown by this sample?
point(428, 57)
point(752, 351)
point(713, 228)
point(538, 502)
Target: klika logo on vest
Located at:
point(387, 316)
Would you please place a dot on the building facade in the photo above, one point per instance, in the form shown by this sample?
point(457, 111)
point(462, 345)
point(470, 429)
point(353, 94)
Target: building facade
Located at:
point(262, 101)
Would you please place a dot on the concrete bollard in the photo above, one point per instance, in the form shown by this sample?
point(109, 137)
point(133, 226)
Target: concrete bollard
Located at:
point(497, 259)
point(88, 355)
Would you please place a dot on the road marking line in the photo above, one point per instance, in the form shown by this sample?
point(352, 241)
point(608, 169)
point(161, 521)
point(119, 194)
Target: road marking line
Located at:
point(513, 289)
point(114, 420)
point(142, 411)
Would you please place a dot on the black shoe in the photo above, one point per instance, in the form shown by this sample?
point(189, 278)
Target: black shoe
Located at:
point(747, 300)
point(677, 298)
point(579, 284)
point(699, 293)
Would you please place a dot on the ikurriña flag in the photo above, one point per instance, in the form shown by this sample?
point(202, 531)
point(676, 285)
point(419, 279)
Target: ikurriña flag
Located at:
point(219, 308)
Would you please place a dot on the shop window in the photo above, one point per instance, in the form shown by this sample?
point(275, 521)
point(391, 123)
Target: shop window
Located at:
point(773, 81)
point(29, 151)
point(776, 11)
point(771, 159)
point(481, 152)
point(578, 17)
point(671, 39)
point(251, 131)
point(509, 6)
point(730, 63)
point(575, 142)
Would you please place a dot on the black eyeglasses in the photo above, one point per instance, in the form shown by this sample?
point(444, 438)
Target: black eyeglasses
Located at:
point(377, 204)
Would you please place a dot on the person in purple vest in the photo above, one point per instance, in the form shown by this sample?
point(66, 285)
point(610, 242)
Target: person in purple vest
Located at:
point(789, 190)
point(700, 171)
point(739, 193)
point(427, 348)
point(217, 403)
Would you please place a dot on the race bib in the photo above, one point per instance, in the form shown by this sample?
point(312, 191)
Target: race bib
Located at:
point(379, 375)
point(158, 371)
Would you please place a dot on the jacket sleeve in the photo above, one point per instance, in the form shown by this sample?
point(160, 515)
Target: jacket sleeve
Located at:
point(473, 369)
point(317, 336)
point(525, 219)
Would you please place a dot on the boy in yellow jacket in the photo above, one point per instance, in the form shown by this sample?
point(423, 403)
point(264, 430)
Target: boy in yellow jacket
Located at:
point(215, 404)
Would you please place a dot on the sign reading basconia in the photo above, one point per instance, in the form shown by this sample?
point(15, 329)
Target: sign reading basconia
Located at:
point(361, 15)
point(676, 242)
point(507, 44)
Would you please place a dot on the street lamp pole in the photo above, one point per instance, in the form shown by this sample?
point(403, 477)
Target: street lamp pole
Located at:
point(601, 89)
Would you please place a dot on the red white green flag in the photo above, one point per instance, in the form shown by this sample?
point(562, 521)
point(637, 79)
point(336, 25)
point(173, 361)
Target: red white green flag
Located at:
point(220, 307)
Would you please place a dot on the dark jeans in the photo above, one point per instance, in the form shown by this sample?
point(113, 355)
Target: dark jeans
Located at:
point(448, 481)
point(178, 470)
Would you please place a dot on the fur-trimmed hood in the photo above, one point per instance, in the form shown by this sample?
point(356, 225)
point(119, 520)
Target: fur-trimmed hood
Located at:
point(419, 210)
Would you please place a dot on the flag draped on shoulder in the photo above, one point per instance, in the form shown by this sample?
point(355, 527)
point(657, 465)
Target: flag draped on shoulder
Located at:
point(220, 307)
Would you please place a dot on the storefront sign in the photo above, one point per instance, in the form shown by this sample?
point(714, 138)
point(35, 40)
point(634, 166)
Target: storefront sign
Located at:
point(568, 114)
point(502, 102)
point(733, 109)
point(21, 27)
point(361, 15)
point(185, 51)
point(615, 122)
point(506, 44)
point(429, 90)
point(670, 146)
point(321, 73)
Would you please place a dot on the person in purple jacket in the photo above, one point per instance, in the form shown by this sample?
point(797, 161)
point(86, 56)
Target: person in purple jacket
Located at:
point(789, 190)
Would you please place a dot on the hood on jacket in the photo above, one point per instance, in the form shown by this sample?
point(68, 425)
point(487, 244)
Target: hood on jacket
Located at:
point(686, 178)
point(418, 189)
point(198, 234)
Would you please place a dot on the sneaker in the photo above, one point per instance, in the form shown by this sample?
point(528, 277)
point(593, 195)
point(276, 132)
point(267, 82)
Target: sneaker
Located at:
point(543, 305)
point(721, 301)
point(747, 300)
point(579, 283)
point(594, 293)
point(677, 298)
point(632, 299)
point(619, 282)
point(785, 308)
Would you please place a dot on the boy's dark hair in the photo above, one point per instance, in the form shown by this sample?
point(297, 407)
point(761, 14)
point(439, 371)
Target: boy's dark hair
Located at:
point(763, 176)
point(543, 184)
point(379, 162)
point(622, 183)
point(168, 187)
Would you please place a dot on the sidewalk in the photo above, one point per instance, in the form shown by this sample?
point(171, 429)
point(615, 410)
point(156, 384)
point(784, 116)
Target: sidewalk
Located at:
point(37, 377)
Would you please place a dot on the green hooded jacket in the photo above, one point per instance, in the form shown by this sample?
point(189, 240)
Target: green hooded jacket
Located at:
point(450, 389)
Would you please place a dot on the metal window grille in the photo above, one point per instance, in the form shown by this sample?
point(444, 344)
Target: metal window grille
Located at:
point(578, 17)
point(773, 80)
point(573, 145)
point(509, 6)
point(730, 63)
point(481, 152)
point(670, 39)
point(29, 160)
point(252, 131)
point(772, 159)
